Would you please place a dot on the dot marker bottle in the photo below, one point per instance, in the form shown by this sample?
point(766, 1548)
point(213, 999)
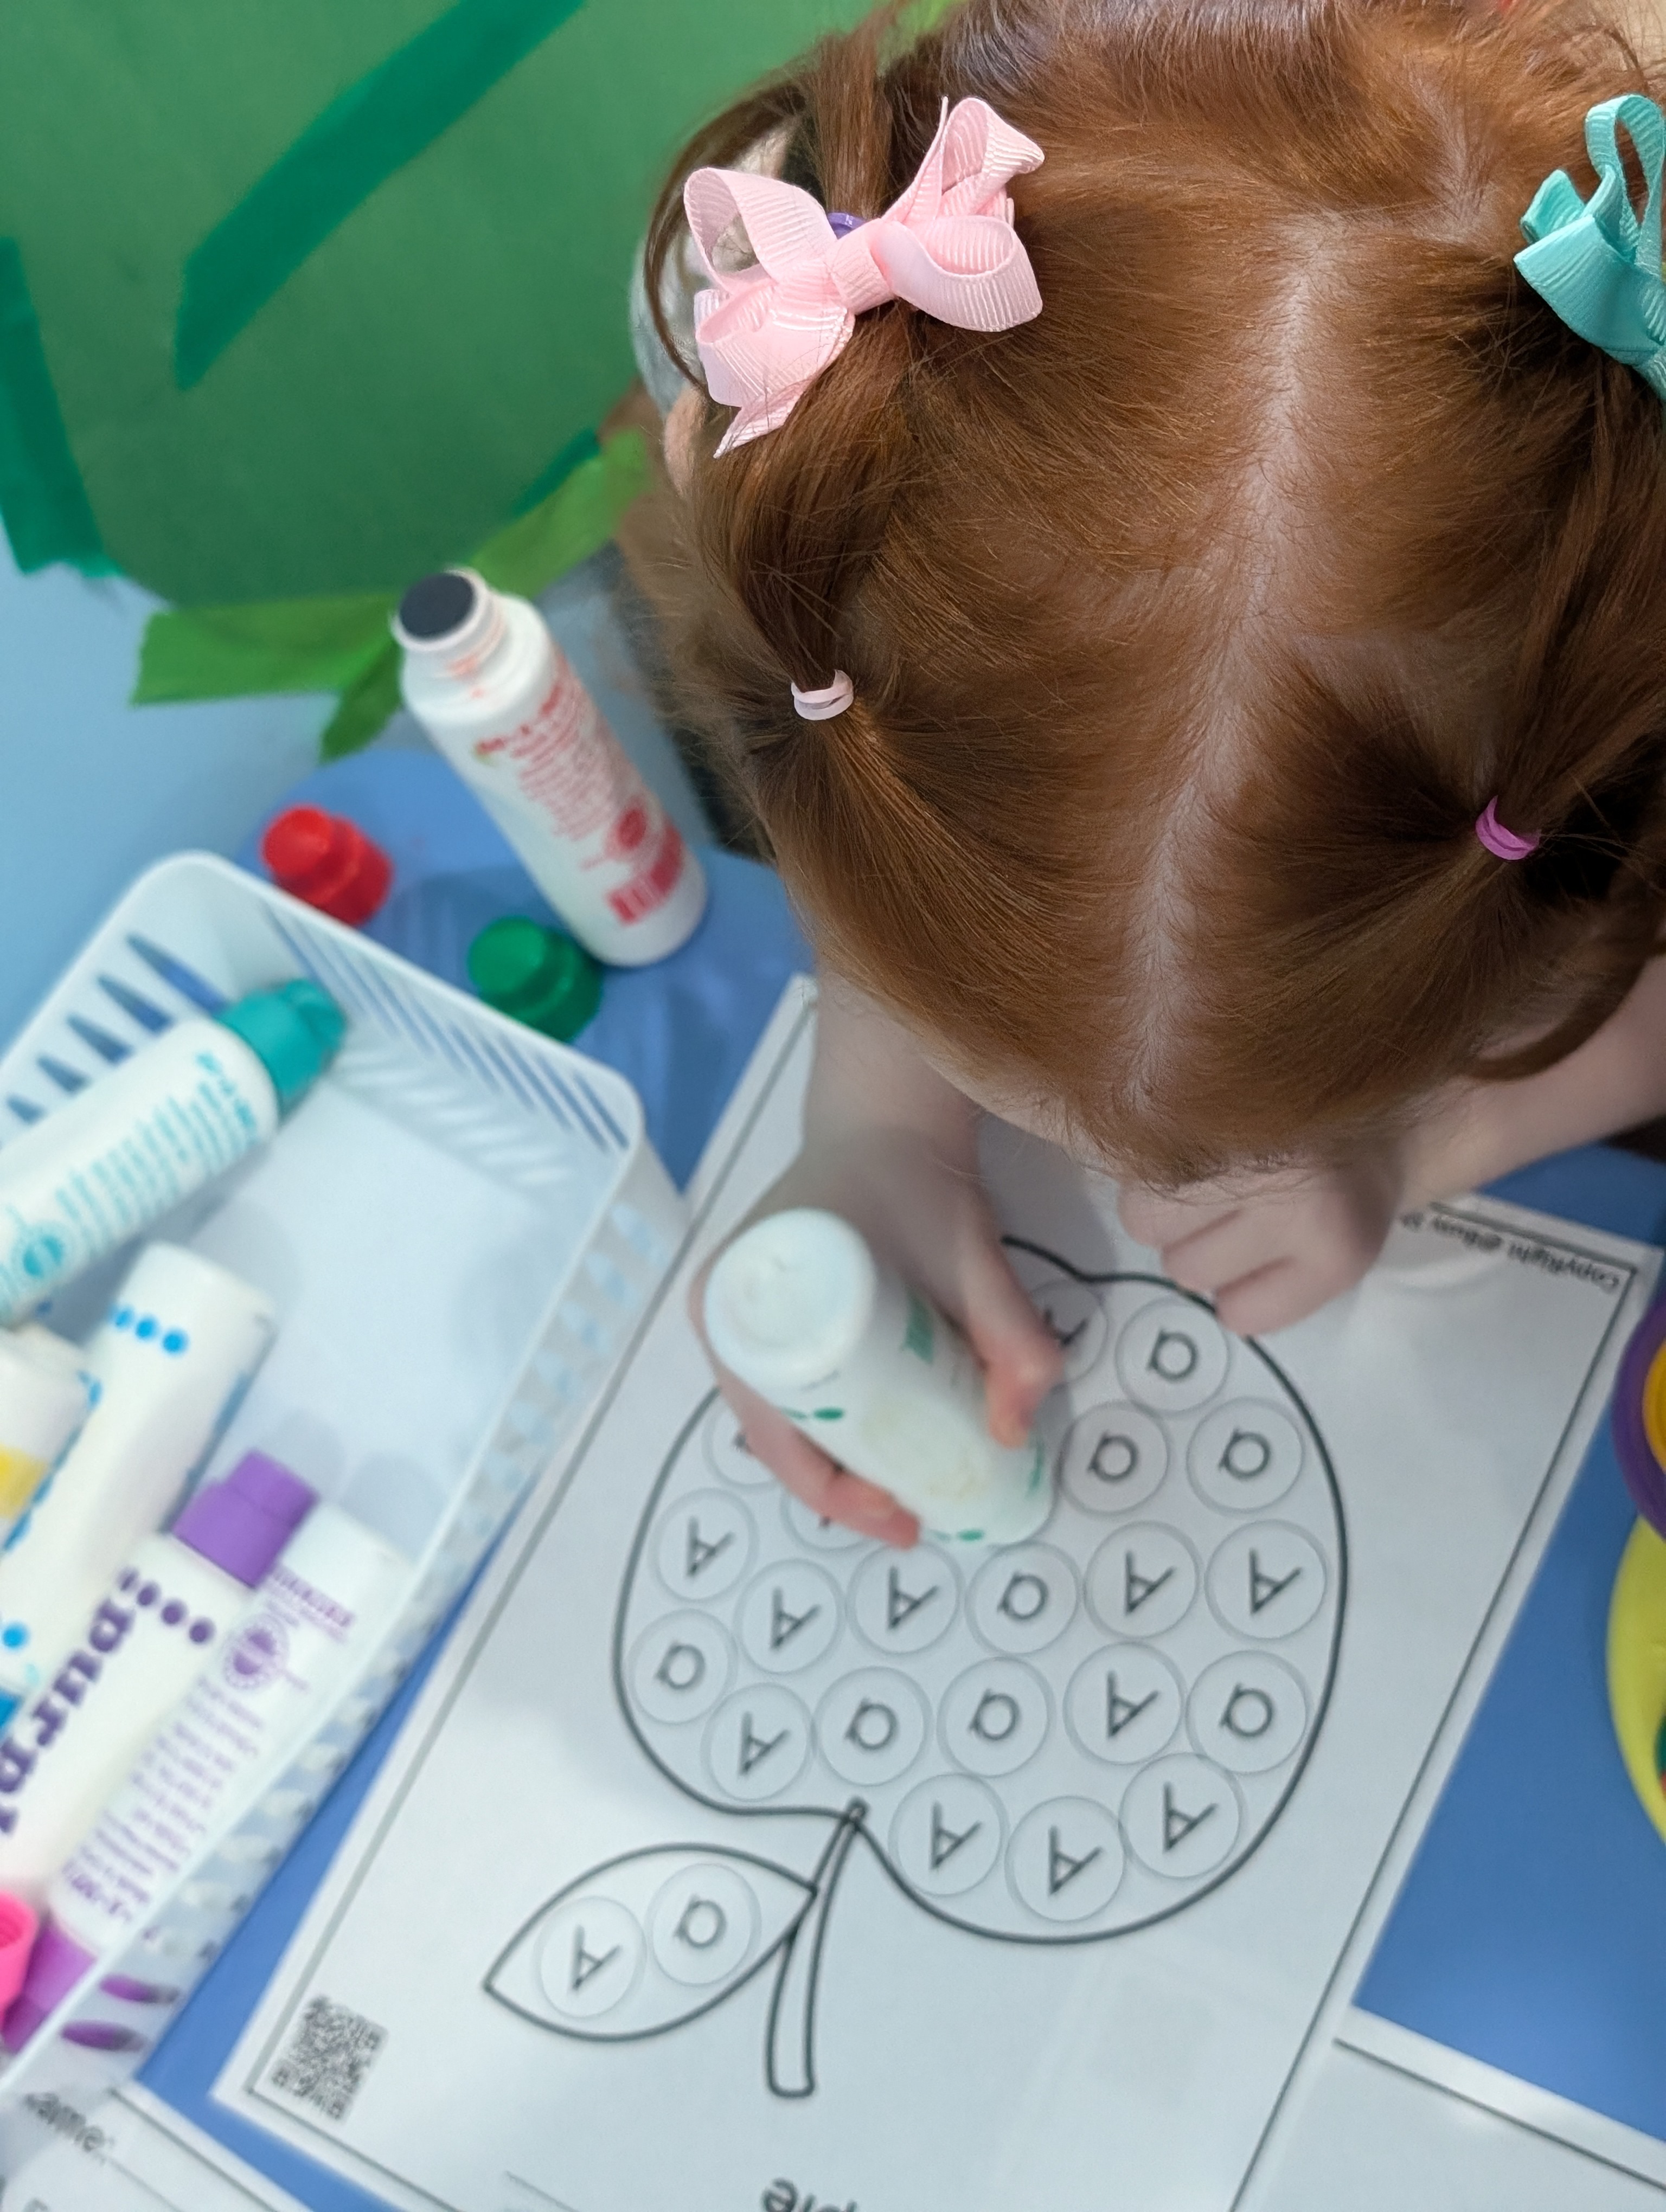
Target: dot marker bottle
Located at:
point(1638, 1418)
point(500, 699)
point(535, 976)
point(133, 1659)
point(132, 1146)
point(45, 1396)
point(870, 1370)
point(315, 1622)
point(327, 861)
point(171, 1362)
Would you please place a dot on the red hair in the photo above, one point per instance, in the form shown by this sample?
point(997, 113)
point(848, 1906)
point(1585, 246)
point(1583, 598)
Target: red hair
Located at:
point(1193, 623)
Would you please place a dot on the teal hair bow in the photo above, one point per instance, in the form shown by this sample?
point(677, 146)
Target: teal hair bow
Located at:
point(1592, 260)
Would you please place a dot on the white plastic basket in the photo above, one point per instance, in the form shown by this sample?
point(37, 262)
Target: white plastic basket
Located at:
point(460, 1229)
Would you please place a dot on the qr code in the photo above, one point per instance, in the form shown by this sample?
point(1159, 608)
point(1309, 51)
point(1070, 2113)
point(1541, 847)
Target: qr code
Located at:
point(326, 2064)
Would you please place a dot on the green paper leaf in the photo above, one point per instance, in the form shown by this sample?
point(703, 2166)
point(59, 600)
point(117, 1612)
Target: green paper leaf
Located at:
point(375, 127)
point(550, 478)
point(343, 644)
point(399, 393)
point(923, 17)
point(282, 645)
point(368, 705)
point(43, 501)
point(576, 520)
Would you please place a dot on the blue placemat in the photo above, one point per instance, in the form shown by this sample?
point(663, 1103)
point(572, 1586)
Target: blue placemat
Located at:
point(1531, 1930)
point(1530, 1924)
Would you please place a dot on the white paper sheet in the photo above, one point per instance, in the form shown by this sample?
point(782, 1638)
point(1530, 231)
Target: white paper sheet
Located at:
point(133, 2155)
point(730, 1863)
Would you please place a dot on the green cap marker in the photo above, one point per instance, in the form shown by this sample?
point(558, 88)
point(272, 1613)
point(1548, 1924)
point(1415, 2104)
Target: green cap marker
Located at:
point(537, 976)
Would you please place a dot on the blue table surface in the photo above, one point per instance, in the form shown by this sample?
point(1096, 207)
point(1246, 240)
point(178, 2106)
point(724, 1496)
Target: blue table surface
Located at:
point(681, 1031)
point(1531, 1930)
point(1529, 1927)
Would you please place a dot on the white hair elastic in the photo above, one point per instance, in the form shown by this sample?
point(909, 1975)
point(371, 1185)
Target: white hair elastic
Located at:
point(821, 706)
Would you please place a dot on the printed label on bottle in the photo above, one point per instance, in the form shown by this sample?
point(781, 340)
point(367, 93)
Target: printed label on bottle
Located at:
point(655, 879)
point(65, 1218)
point(566, 762)
point(178, 1632)
point(245, 1711)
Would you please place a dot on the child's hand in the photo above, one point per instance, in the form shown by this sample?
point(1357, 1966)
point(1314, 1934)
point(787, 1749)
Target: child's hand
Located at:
point(893, 1146)
point(930, 1220)
point(1271, 1248)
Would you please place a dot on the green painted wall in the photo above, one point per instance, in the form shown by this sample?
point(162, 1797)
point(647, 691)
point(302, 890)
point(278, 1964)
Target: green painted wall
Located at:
point(390, 400)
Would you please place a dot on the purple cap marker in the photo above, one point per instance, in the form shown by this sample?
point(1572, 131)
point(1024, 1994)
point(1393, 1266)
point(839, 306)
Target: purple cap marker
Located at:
point(56, 1965)
point(242, 1523)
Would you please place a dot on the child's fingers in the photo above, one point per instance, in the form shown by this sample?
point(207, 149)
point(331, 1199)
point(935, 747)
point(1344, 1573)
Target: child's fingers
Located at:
point(1160, 1221)
point(829, 1489)
point(1286, 1290)
point(1208, 1259)
point(1021, 1361)
point(1272, 1297)
point(1261, 1273)
point(856, 1503)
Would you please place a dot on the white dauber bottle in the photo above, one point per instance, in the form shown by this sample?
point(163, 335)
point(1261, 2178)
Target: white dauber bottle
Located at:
point(132, 1662)
point(130, 1147)
point(871, 1371)
point(500, 699)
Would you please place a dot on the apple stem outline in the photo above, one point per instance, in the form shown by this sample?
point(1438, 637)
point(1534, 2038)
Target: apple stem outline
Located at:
point(790, 2040)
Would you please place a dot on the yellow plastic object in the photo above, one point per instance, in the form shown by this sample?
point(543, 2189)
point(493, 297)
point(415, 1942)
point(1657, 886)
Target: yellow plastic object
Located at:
point(1654, 1405)
point(1637, 1661)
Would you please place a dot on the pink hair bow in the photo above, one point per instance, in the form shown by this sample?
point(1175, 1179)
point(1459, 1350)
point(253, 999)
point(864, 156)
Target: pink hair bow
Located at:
point(947, 246)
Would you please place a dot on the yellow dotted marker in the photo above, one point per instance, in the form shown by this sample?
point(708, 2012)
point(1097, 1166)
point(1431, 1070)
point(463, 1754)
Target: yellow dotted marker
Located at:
point(1654, 1405)
point(1636, 1663)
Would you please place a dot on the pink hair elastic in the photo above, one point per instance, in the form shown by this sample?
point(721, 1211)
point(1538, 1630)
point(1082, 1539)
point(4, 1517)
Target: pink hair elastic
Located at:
point(1503, 844)
point(831, 699)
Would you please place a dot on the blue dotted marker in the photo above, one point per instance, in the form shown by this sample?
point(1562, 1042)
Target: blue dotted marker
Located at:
point(122, 1317)
point(146, 1328)
point(175, 1341)
point(14, 1636)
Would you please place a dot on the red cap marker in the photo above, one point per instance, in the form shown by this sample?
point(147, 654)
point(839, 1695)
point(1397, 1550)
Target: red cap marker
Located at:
point(328, 861)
